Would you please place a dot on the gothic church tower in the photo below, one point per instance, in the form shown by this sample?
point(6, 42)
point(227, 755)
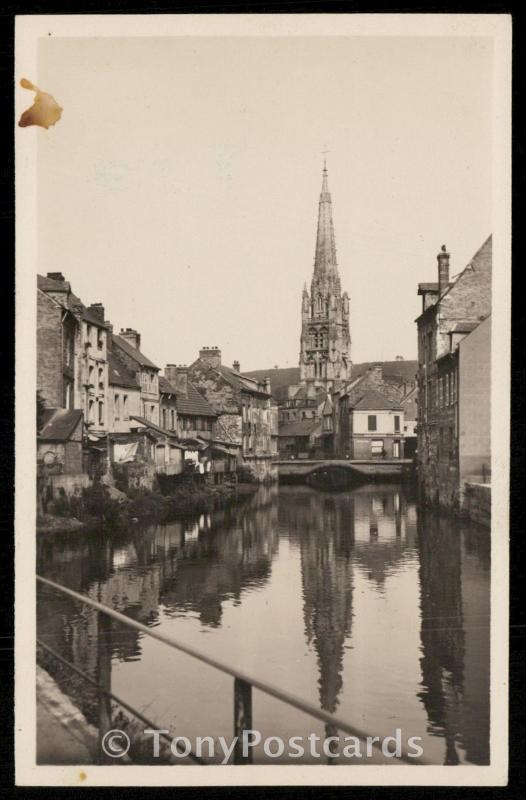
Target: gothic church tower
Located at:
point(325, 356)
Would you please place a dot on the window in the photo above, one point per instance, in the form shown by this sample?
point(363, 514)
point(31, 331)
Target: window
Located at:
point(172, 419)
point(101, 412)
point(91, 375)
point(117, 408)
point(152, 411)
point(371, 422)
point(100, 338)
point(125, 406)
point(101, 378)
point(91, 411)
point(396, 449)
point(397, 423)
point(377, 447)
point(165, 418)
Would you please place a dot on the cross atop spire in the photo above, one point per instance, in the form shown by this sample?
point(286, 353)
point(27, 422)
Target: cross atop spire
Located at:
point(324, 154)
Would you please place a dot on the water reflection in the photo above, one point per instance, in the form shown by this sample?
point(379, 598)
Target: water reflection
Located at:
point(360, 560)
point(454, 577)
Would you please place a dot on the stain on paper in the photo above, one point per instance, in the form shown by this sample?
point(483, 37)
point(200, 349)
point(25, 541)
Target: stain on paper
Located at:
point(45, 111)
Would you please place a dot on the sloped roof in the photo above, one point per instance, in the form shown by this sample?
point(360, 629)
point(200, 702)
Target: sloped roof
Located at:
point(464, 327)
point(119, 375)
point(157, 429)
point(165, 387)
point(302, 427)
point(304, 394)
point(288, 376)
point(133, 352)
point(71, 300)
point(193, 403)
point(239, 380)
point(59, 424)
point(375, 401)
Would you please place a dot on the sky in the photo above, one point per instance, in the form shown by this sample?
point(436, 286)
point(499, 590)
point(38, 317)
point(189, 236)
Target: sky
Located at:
point(181, 185)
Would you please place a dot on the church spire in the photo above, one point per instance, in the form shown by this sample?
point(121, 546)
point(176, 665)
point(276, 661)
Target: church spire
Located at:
point(325, 259)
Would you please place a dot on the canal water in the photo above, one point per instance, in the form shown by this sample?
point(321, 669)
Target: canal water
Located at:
point(358, 602)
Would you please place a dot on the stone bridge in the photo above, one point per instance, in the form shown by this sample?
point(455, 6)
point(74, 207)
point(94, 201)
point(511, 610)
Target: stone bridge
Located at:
point(370, 469)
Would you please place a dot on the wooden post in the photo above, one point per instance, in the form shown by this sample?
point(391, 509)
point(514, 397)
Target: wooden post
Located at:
point(104, 680)
point(242, 719)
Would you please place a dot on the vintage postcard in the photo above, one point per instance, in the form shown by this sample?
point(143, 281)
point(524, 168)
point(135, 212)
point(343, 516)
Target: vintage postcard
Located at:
point(263, 371)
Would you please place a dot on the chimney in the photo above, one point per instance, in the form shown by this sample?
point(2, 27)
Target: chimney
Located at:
point(399, 358)
point(266, 383)
point(211, 355)
point(236, 367)
point(56, 276)
point(97, 309)
point(443, 270)
point(376, 372)
point(178, 377)
point(131, 336)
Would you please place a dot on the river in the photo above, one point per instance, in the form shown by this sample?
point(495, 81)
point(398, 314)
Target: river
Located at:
point(358, 601)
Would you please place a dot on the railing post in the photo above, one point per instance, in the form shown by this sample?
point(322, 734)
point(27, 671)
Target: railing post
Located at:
point(104, 680)
point(242, 719)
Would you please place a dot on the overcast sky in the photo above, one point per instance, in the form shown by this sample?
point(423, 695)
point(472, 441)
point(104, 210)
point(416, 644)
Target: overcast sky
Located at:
point(181, 185)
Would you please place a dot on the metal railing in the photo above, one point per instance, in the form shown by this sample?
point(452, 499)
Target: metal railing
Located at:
point(243, 684)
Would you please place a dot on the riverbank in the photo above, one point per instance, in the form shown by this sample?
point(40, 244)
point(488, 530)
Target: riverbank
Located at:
point(103, 505)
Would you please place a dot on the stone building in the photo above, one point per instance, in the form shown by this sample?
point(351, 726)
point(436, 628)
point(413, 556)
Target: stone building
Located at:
point(325, 357)
point(195, 418)
point(60, 469)
point(126, 348)
point(57, 332)
point(82, 373)
point(450, 311)
point(243, 407)
point(167, 404)
point(474, 422)
point(409, 403)
point(370, 425)
point(373, 386)
point(124, 395)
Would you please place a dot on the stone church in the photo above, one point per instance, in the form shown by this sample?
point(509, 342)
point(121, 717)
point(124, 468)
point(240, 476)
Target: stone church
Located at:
point(325, 355)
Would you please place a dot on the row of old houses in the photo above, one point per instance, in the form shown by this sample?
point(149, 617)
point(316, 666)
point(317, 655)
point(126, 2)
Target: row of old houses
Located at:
point(370, 416)
point(435, 411)
point(454, 386)
point(105, 408)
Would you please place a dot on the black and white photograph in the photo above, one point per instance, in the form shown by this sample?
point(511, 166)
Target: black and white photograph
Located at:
point(263, 323)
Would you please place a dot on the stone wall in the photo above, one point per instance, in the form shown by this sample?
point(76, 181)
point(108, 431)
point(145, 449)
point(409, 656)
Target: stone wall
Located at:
point(49, 350)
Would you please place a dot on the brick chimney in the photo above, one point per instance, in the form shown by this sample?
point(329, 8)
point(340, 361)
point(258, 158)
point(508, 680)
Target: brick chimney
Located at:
point(376, 374)
point(131, 336)
point(236, 367)
point(97, 309)
point(56, 276)
point(177, 374)
point(443, 270)
point(211, 355)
